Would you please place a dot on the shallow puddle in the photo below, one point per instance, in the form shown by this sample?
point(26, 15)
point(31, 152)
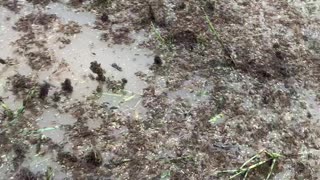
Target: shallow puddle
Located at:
point(51, 124)
point(40, 164)
point(67, 14)
point(71, 61)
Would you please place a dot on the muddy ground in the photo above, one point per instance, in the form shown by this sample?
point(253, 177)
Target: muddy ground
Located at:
point(159, 89)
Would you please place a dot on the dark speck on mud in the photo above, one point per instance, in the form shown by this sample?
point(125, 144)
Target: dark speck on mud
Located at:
point(66, 86)
point(124, 80)
point(104, 17)
point(2, 61)
point(157, 60)
point(44, 90)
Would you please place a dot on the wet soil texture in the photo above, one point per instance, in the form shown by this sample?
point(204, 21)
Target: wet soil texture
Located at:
point(159, 89)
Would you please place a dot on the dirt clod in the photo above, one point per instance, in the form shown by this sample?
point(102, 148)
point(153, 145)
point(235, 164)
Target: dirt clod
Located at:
point(157, 60)
point(2, 61)
point(186, 38)
point(21, 84)
point(124, 80)
point(95, 67)
point(94, 158)
point(24, 24)
point(66, 86)
point(44, 90)
point(70, 29)
point(39, 60)
point(104, 17)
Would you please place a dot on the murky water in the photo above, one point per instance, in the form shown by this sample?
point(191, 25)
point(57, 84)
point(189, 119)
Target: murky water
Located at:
point(51, 124)
point(67, 14)
point(40, 163)
point(72, 61)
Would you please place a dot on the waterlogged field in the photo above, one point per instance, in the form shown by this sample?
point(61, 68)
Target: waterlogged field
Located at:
point(159, 89)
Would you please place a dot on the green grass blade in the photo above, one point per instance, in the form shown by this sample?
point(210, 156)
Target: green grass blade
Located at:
point(271, 169)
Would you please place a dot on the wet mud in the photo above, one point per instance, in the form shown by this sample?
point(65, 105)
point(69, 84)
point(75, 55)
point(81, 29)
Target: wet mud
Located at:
point(159, 89)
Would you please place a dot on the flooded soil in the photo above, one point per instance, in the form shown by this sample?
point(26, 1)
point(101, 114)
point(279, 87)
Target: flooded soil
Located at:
point(149, 89)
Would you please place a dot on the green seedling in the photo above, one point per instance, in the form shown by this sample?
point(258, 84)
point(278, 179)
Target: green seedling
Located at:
point(47, 129)
point(49, 173)
point(215, 118)
point(7, 111)
point(166, 175)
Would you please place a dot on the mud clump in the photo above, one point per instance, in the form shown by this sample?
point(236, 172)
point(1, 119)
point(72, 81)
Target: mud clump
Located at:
point(186, 38)
point(66, 158)
point(93, 158)
point(39, 60)
point(44, 90)
point(12, 5)
point(70, 29)
point(25, 174)
point(121, 36)
point(25, 23)
point(26, 42)
point(21, 84)
point(104, 17)
point(66, 86)
point(116, 86)
point(2, 61)
point(95, 67)
point(124, 81)
point(34, 50)
point(157, 60)
point(20, 150)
